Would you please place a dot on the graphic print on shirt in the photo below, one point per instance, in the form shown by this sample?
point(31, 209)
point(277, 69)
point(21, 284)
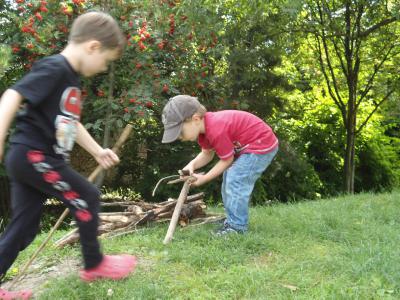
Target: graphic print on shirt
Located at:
point(66, 124)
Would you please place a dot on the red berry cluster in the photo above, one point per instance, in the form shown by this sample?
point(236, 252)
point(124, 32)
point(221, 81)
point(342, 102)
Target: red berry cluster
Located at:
point(29, 27)
point(100, 93)
point(171, 24)
point(144, 35)
point(135, 106)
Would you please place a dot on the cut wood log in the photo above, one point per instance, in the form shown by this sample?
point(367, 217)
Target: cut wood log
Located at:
point(120, 203)
point(189, 198)
point(115, 219)
point(138, 213)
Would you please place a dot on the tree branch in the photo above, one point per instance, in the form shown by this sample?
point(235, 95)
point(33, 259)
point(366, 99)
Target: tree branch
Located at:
point(377, 105)
point(339, 103)
point(378, 25)
point(371, 79)
point(358, 42)
point(333, 41)
point(347, 48)
point(360, 34)
point(339, 100)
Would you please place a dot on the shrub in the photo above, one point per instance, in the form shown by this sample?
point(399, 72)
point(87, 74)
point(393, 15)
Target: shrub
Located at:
point(376, 168)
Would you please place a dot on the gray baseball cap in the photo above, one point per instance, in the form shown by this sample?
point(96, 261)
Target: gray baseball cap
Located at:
point(175, 112)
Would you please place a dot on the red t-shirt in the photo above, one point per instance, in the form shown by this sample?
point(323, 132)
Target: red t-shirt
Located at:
point(234, 132)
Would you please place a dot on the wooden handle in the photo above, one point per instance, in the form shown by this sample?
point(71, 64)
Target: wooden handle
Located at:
point(121, 140)
point(177, 210)
point(123, 137)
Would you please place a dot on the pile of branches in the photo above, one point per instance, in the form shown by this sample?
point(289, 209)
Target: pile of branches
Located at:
point(136, 213)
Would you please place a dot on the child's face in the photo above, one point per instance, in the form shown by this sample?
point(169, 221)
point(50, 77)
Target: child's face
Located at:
point(190, 130)
point(97, 60)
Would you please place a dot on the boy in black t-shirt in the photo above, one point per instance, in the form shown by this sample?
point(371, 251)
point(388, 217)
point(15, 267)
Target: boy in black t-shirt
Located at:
point(46, 128)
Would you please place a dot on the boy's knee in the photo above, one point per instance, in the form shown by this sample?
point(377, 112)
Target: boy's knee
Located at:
point(85, 202)
point(92, 198)
point(92, 193)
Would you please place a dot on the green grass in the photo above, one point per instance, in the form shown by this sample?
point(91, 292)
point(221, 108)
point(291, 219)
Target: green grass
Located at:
point(339, 248)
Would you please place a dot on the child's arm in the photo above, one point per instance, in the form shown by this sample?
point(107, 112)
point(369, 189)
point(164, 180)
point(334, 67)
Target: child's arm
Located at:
point(9, 105)
point(217, 170)
point(203, 158)
point(105, 157)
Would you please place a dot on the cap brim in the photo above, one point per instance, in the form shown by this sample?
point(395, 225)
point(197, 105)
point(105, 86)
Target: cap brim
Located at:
point(171, 134)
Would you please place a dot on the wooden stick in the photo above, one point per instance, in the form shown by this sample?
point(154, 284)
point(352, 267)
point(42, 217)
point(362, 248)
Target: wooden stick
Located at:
point(188, 199)
point(182, 179)
point(177, 210)
point(161, 180)
point(121, 140)
point(68, 235)
point(211, 219)
point(177, 180)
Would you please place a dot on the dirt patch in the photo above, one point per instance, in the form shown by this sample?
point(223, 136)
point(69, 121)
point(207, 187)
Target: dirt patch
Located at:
point(41, 272)
point(39, 275)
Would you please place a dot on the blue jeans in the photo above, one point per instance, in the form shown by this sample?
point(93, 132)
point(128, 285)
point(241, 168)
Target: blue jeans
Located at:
point(238, 183)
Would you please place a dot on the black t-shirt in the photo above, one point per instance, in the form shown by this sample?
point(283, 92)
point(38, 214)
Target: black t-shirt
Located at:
point(51, 112)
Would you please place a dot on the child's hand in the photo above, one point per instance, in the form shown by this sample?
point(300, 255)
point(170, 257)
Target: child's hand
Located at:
point(200, 179)
point(107, 158)
point(189, 168)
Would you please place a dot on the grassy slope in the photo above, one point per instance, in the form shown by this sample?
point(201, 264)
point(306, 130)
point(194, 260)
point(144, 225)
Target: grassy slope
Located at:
point(340, 248)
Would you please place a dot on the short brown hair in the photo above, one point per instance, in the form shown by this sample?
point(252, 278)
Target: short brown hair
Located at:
point(201, 111)
point(98, 26)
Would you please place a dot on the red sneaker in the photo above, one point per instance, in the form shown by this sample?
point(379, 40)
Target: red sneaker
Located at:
point(20, 295)
point(112, 267)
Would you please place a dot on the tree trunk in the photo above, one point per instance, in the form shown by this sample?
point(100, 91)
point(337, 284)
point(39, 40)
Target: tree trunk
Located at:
point(107, 127)
point(340, 41)
point(349, 162)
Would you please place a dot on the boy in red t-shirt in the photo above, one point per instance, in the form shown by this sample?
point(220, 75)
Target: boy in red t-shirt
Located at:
point(244, 143)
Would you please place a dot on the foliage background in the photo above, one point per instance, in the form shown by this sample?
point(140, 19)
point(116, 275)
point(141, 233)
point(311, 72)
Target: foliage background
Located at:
point(248, 55)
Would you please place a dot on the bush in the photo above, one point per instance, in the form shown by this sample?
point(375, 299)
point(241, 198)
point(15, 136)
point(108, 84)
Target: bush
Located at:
point(290, 177)
point(375, 168)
